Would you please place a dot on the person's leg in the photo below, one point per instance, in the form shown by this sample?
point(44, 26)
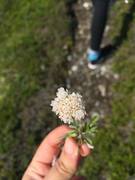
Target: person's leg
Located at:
point(100, 14)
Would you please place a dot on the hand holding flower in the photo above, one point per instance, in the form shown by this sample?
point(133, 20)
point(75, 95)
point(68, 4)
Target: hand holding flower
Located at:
point(41, 167)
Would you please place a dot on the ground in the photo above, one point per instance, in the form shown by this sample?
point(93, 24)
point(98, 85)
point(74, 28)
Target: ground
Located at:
point(96, 82)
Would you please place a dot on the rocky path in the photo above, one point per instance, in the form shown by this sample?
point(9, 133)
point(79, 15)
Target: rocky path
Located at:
point(95, 85)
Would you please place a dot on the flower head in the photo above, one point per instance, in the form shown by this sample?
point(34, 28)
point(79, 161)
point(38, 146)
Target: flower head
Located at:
point(68, 106)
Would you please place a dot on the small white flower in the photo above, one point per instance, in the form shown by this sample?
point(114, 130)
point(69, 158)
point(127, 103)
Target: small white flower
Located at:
point(68, 106)
point(86, 5)
point(61, 94)
point(79, 115)
point(126, 1)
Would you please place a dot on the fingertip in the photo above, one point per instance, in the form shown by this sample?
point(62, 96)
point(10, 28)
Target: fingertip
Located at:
point(84, 150)
point(64, 127)
point(71, 147)
point(54, 137)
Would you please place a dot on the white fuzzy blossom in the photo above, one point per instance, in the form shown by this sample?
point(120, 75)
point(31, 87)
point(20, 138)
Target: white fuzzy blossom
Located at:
point(68, 106)
point(126, 1)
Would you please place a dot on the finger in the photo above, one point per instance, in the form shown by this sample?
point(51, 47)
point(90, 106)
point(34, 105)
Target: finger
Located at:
point(84, 150)
point(51, 144)
point(43, 158)
point(66, 166)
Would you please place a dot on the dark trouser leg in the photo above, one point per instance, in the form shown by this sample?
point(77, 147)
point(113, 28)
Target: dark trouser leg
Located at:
point(99, 20)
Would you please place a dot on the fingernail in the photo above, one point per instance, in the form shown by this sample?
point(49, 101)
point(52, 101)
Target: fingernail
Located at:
point(71, 148)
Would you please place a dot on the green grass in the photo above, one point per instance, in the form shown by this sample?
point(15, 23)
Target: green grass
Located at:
point(32, 35)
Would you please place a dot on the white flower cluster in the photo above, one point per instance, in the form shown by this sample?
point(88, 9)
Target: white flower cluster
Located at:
point(126, 1)
point(68, 106)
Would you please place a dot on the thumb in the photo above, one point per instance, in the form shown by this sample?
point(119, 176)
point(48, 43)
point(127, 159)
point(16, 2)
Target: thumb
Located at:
point(66, 166)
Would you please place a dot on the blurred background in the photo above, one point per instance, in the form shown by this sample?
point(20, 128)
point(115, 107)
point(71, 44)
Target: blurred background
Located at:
point(43, 46)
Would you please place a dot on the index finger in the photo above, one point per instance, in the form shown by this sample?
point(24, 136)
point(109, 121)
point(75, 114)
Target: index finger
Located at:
point(49, 148)
point(51, 144)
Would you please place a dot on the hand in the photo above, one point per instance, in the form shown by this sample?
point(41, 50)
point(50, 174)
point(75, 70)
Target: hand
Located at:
point(65, 167)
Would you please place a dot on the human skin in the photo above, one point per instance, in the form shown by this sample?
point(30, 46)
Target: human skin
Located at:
point(65, 166)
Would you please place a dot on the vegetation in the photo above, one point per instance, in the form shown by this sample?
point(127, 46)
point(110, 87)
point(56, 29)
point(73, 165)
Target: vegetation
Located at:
point(34, 37)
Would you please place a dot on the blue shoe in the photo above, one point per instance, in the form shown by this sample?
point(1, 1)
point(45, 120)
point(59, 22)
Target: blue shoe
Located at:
point(93, 56)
